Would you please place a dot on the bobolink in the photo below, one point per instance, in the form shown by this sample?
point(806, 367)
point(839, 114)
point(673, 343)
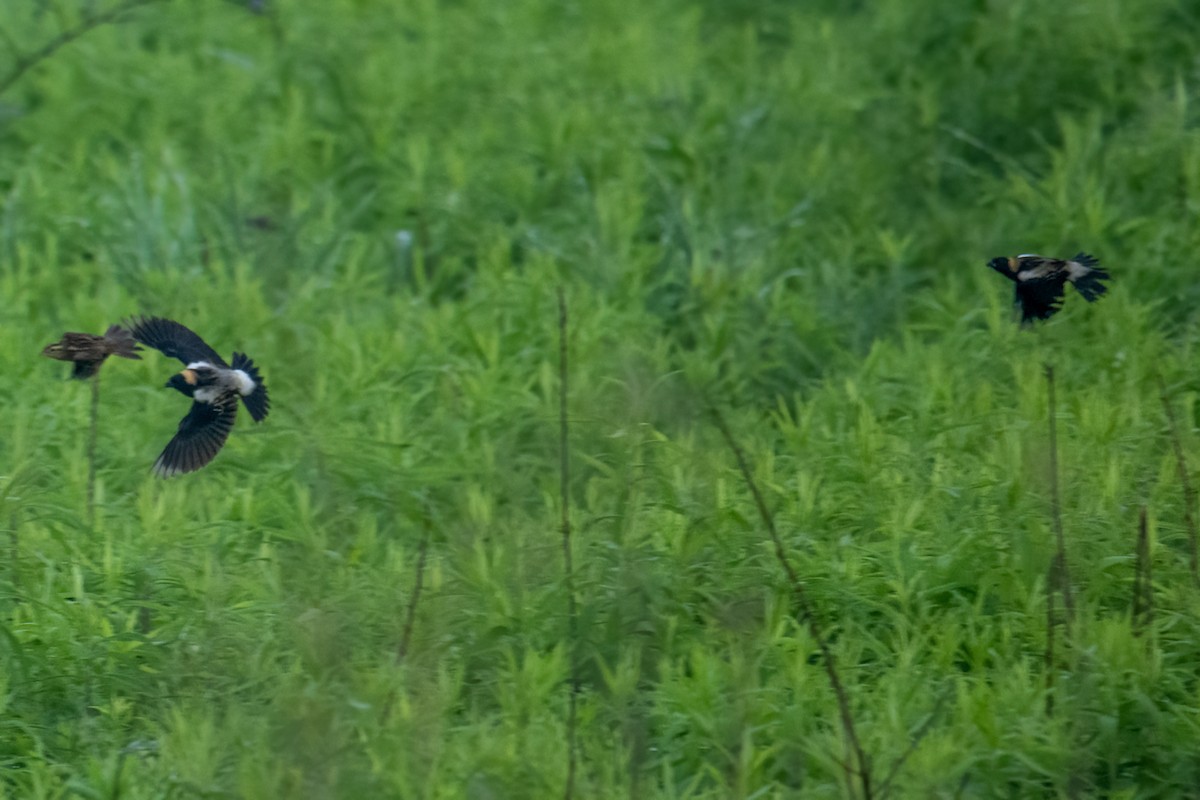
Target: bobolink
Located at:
point(214, 387)
point(88, 351)
point(1041, 281)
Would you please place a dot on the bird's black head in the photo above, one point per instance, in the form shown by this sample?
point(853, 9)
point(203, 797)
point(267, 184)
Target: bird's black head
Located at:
point(1003, 264)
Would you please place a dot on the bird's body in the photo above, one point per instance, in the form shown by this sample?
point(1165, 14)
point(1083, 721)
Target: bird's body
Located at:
point(87, 351)
point(215, 388)
point(1041, 281)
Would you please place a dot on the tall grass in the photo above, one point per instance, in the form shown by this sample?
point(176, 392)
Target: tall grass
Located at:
point(858, 765)
point(364, 596)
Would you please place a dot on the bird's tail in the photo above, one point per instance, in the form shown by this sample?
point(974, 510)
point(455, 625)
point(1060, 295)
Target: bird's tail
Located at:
point(122, 342)
point(1088, 283)
point(258, 402)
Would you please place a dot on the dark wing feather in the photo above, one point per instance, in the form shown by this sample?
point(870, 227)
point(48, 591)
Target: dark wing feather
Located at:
point(85, 369)
point(174, 340)
point(1040, 299)
point(202, 434)
point(258, 403)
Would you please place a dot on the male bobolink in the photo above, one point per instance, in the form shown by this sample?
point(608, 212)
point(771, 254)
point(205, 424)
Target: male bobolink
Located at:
point(1041, 281)
point(88, 351)
point(214, 387)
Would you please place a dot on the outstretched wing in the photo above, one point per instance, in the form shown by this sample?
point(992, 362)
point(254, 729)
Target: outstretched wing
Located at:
point(172, 339)
point(1040, 299)
point(82, 370)
point(201, 435)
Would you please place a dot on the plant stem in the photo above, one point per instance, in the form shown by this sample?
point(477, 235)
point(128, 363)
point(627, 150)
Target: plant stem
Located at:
point(91, 451)
point(1189, 494)
point(568, 567)
point(1059, 571)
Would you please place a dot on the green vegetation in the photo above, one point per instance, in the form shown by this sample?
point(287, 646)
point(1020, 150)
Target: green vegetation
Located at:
point(780, 208)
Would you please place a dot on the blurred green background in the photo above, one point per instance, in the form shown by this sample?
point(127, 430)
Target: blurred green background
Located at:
point(781, 208)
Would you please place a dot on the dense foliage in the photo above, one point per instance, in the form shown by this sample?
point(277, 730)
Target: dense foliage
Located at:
point(783, 209)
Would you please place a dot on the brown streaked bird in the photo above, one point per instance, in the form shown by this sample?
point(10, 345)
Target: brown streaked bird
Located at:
point(1041, 281)
point(88, 351)
point(214, 387)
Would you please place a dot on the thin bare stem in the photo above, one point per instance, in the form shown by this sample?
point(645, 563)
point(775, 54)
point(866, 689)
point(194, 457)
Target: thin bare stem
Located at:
point(14, 558)
point(1143, 583)
point(26, 62)
point(806, 609)
point(1061, 573)
point(91, 452)
point(410, 614)
point(145, 614)
point(1050, 633)
point(1189, 494)
point(568, 567)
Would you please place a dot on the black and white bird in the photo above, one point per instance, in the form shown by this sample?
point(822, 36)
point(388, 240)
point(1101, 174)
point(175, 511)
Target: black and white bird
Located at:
point(1041, 281)
point(214, 386)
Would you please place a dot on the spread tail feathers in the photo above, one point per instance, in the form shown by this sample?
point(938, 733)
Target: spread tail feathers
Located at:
point(1086, 259)
point(1089, 283)
point(122, 342)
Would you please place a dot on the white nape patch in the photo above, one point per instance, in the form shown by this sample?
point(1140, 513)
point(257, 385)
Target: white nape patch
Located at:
point(206, 394)
point(245, 384)
point(195, 364)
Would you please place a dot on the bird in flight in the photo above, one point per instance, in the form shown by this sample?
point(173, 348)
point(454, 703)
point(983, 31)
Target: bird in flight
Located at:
point(88, 351)
point(1041, 281)
point(214, 386)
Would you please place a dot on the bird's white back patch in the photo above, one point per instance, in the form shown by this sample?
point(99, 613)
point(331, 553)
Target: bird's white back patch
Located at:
point(195, 364)
point(207, 394)
point(245, 384)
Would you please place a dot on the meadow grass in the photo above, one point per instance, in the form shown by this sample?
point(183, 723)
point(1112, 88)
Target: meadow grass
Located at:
point(781, 210)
